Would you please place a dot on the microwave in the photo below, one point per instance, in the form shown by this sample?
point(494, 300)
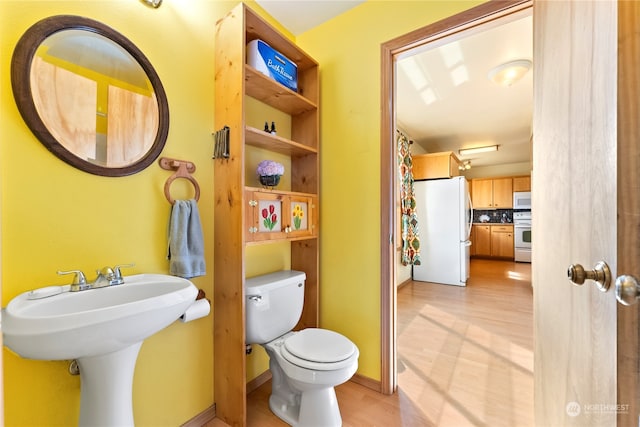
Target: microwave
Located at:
point(522, 200)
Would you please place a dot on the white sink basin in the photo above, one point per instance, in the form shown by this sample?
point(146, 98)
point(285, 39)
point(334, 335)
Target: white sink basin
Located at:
point(73, 325)
point(103, 330)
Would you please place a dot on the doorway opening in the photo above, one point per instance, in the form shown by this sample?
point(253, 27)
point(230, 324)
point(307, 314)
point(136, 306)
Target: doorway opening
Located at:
point(440, 32)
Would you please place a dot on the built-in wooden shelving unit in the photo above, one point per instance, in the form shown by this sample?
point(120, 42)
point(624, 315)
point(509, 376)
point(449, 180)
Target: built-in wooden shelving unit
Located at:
point(235, 79)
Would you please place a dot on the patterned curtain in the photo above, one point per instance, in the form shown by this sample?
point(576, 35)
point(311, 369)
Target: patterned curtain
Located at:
point(409, 221)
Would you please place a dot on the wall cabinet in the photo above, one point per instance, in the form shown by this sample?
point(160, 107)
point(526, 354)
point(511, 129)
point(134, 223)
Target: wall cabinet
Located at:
point(273, 215)
point(436, 165)
point(495, 193)
point(521, 183)
point(495, 240)
point(482, 193)
point(239, 207)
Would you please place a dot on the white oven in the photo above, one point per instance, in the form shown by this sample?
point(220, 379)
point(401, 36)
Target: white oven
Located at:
point(522, 200)
point(522, 236)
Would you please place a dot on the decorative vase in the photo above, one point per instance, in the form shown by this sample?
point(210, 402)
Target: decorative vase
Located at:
point(270, 180)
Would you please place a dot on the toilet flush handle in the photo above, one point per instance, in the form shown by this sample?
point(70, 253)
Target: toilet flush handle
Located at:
point(255, 298)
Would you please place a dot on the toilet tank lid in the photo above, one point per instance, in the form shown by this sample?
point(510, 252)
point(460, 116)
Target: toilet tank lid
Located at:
point(274, 280)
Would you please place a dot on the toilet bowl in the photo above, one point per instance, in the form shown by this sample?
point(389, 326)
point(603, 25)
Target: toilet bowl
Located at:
point(305, 365)
point(303, 391)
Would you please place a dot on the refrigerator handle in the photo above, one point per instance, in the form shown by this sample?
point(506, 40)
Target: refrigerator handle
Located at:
point(470, 216)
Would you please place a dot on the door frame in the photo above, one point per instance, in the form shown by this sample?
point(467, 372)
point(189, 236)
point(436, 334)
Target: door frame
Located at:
point(390, 51)
point(628, 207)
point(628, 177)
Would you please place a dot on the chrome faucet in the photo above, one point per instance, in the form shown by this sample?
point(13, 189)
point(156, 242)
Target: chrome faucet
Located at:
point(107, 276)
point(117, 274)
point(79, 282)
point(104, 278)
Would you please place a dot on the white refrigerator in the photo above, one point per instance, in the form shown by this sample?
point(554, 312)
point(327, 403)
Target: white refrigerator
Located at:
point(445, 216)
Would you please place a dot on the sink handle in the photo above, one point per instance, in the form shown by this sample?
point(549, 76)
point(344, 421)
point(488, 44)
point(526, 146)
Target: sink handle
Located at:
point(78, 279)
point(106, 272)
point(79, 282)
point(116, 270)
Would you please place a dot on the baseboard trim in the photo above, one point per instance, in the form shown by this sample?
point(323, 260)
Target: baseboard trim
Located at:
point(202, 418)
point(405, 283)
point(367, 382)
point(258, 381)
point(210, 413)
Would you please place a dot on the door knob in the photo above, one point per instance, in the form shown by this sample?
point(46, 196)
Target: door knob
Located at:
point(601, 274)
point(627, 290)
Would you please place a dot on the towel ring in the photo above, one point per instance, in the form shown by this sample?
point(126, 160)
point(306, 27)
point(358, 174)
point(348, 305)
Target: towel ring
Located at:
point(183, 170)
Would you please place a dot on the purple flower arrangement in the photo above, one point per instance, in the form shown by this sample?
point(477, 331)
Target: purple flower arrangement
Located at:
point(269, 173)
point(269, 168)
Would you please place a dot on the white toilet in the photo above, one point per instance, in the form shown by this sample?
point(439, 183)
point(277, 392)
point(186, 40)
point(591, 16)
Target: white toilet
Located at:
point(305, 365)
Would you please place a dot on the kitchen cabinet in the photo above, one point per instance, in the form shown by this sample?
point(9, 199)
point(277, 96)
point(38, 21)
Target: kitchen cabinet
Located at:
point(521, 183)
point(482, 239)
point(238, 88)
point(492, 193)
point(482, 193)
point(493, 240)
point(435, 165)
point(502, 241)
point(277, 215)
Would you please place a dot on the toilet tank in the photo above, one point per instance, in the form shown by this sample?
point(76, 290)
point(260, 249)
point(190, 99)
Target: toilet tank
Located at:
point(273, 304)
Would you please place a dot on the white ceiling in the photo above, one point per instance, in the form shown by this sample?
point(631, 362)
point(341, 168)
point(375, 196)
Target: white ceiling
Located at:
point(301, 15)
point(466, 109)
point(473, 112)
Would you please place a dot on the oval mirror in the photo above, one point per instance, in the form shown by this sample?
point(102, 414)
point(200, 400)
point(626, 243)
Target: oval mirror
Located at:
point(90, 95)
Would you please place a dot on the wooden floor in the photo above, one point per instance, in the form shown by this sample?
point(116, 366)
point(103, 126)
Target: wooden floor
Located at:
point(465, 357)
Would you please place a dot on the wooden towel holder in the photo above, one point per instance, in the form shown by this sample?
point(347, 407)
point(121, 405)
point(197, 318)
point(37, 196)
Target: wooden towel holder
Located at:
point(183, 169)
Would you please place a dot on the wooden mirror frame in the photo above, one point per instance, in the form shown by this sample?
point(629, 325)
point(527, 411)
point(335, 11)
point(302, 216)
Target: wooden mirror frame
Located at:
point(21, 84)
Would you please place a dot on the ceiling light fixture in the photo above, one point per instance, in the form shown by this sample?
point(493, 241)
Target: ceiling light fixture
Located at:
point(153, 3)
point(476, 150)
point(466, 165)
point(510, 72)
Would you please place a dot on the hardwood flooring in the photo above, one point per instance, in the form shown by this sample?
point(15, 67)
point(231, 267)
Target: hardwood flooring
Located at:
point(465, 357)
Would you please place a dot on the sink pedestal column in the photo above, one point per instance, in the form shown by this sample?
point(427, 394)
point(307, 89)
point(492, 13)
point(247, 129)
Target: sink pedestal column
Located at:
point(106, 385)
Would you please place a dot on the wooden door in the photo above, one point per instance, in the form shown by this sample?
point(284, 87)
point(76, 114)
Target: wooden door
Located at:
point(521, 183)
point(482, 239)
point(502, 241)
point(575, 194)
point(301, 211)
point(482, 193)
point(265, 217)
point(503, 193)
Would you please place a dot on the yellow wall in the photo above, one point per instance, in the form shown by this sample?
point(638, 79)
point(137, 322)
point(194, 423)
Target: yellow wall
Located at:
point(348, 51)
point(57, 217)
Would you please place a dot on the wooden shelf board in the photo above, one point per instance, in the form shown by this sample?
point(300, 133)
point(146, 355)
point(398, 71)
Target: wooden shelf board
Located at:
point(258, 28)
point(284, 192)
point(288, 239)
point(259, 138)
point(270, 92)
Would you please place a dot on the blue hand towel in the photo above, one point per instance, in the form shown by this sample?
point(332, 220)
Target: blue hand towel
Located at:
point(186, 244)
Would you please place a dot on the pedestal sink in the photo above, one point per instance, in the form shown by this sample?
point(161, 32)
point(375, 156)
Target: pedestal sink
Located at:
point(103, 330)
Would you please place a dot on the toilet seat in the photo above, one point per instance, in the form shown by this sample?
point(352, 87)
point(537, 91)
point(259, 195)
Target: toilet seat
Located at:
point(318, 349)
